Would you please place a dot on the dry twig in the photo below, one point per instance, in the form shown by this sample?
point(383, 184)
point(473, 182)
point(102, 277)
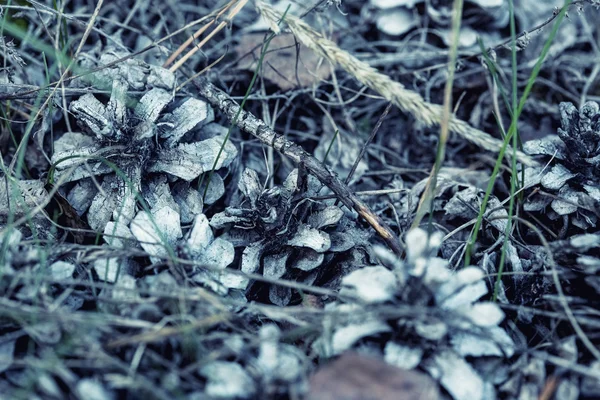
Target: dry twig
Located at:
point(257, 128)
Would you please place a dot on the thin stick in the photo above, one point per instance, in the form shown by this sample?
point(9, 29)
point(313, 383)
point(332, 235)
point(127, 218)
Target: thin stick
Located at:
point(369, 140)
point(257, 128)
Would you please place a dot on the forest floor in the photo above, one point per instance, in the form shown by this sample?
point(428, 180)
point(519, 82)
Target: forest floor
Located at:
point(382, 199)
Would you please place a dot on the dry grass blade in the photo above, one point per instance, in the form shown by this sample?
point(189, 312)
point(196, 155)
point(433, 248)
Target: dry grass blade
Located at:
point(196, 35)
point(197, 47)
point(168, 331)
point(407, 100)
point(429, 192)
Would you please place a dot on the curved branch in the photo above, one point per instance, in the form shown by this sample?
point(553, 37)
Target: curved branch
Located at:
point(257, 128)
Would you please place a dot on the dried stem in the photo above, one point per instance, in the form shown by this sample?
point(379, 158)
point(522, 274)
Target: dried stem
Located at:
point(257, 128)
point(194, 49)
point(195, 36)
point(427, 113)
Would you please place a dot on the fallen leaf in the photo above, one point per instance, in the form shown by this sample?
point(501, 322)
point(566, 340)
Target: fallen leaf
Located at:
point(357, 377)
point(282, 65)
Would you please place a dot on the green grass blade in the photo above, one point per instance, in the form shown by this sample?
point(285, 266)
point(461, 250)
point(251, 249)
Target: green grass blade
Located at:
point(511, 131)
point(514, 176)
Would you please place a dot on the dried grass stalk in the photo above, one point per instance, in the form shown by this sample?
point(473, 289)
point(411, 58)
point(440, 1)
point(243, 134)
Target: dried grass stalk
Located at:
point(406, 100)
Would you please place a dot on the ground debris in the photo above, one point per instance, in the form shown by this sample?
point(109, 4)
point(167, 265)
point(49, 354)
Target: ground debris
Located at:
point(209, 229)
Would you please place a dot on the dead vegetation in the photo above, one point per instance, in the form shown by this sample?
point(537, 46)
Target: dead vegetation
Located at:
point(240, 200)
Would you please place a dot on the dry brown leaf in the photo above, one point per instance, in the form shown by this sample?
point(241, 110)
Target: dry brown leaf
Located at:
point(358, 377)
point(281, 64)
